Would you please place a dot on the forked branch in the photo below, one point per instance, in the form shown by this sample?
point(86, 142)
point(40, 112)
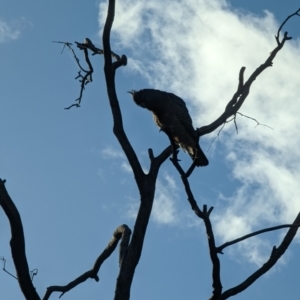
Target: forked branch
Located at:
point(247, 236)
point(231, 110)
point(243, 89)
point(275, 255)
point(145, 182)
point(87, 77)
point(109, 72)
point(277, 36)
point(123, 232)
point(203, 214)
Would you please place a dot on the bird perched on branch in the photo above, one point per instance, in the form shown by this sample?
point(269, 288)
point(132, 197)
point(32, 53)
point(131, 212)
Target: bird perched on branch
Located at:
point(172, 117)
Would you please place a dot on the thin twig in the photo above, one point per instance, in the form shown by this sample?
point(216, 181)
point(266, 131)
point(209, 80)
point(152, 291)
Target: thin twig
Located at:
point(75, 104)
point(67, 44)
point(283, 23)
point(217, 136)
point(258, 124)
point(235, 124)
point(247, 236)
point(236, 127)
point(4, 262)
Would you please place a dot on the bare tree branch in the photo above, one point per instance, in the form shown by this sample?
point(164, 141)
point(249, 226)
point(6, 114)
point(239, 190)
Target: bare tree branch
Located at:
point(87, 77)
point(130, 251)
point(236, 127)
point(32, 273)
point(4, 269)
point(277, 36)
point(218, 134)
point(257, 123)
point(275, 255)
point(123, 232)
point(156, 162)
point(89, 45)
point(204, 215)
point(75, 104)
point(243, 89)
point(216, 267)
point(69, 45)
point(188, 190)
point(109, 72)
point(145, 183)
point(247, 236)
point(17, 244)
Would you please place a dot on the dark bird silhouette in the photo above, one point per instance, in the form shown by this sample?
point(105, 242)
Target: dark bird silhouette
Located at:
point(172, 117)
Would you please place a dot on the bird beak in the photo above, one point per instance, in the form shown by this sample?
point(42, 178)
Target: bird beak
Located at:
point(131, 92)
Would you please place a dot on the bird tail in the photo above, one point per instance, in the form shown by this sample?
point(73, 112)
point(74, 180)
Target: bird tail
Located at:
point(199, 157)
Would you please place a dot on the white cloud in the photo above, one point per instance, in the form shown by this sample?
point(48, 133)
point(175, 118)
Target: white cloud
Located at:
point(196, 49)
point(132, 207)
point(125, 166)
point(110, 152)
point(8, 32)
point(164, 207)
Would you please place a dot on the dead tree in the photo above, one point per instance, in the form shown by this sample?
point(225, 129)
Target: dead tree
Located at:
point(131, 242)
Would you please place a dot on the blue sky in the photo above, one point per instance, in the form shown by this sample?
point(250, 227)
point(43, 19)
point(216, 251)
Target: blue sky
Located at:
point(73, 186)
